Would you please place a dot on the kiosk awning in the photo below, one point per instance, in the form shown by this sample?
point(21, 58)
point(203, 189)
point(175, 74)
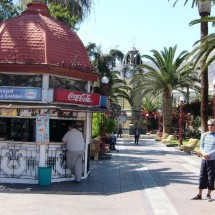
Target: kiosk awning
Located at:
point(62, 107)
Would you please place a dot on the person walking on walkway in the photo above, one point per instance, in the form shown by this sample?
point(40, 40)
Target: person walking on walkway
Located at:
point(119, 131)
point(136, 135)
point(75, 150)
point(207, 170)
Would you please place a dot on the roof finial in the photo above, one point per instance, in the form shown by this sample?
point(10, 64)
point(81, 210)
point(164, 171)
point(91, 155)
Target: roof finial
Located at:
point(133, 42)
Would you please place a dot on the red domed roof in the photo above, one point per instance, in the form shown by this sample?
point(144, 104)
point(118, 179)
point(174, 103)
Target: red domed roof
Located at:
point(36, 38)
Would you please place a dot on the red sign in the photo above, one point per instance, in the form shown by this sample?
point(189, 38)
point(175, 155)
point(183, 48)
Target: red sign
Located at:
point(73, 97)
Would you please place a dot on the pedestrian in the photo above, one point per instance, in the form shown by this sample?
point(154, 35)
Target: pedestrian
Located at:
point(75, 150)
point(112, 142)
point(136, 135)
point(207, 170)
point(119, 131)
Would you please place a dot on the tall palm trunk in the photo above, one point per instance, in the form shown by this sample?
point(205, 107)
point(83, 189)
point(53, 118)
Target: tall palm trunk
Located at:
point(167, 113)
point(204, 101)
point(204, 75)
point(204, 85)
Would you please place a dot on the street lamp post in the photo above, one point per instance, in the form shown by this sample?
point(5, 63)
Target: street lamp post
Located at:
point(159, 120)
point(180, 121)
point(105, 82)
point(214, 98)
point(147, 122)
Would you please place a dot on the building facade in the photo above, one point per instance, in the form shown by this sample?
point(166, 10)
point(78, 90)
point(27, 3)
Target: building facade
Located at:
point(128, 69)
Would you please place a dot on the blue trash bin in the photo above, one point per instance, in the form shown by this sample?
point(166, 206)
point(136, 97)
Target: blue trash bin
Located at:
point(44, 175)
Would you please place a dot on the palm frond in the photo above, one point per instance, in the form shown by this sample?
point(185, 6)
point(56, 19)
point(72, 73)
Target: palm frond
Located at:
point(194, 2)
point(204, 19)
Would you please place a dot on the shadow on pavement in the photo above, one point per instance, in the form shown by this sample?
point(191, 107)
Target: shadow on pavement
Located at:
point(126, 171)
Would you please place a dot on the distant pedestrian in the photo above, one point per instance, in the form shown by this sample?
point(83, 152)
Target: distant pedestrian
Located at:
point(119, 131)
point(136, 135)
point(75, 151)
point(207, 171)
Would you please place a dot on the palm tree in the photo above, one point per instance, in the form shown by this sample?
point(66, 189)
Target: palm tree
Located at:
point(118, 91)
point(7, 10)
point(204, 51)
point(194, 2)
point(77, 8)
point(151, 103)
point(167, 74)
point(104, 64)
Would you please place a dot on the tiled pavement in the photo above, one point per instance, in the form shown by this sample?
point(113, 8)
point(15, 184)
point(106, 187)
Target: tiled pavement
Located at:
point(146, 179)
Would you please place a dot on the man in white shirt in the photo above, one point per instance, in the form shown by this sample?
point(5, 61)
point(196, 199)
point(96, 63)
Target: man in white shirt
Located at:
point(75, 151)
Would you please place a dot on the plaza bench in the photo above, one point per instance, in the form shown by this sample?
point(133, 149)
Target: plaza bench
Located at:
point(94, 150)
point(191, 145)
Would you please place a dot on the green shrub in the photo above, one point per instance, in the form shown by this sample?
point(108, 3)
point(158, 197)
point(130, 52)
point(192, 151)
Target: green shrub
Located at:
point(98, 120)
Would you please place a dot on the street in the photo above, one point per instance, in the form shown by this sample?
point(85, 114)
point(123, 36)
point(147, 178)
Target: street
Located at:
point(146, 179)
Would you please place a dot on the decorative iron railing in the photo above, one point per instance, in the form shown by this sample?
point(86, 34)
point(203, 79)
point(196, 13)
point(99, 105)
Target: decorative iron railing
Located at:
point(21, 160)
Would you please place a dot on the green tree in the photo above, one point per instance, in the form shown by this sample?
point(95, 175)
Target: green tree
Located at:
point(203, 53)
point(96, 124)
point(77, 8)
point(57, 11)
point(151, 103)
point(103, 64)
point(62, 13)
point(169, 73)
point(100, 119)
point(69, 11)
point(118, 91)
point(194, 2)
point(117, 88)
point(7, 10)
point(23, 3)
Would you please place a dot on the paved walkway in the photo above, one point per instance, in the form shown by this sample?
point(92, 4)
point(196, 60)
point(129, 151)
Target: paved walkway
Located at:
point(148, 179)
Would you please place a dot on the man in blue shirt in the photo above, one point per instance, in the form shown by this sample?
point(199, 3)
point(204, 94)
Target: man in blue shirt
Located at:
point(207, 171)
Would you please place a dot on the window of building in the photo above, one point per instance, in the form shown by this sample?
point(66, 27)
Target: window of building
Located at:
point(68, 84)
point(21, 80)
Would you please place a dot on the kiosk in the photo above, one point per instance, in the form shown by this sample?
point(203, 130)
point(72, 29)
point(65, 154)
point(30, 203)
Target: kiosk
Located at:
point(45, 83)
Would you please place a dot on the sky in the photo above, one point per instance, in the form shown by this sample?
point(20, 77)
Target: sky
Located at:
point(144, 24)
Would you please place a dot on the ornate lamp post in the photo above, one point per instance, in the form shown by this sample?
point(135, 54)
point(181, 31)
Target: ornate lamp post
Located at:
point(105, 82)
point(159, 119)
point(214, 98)
point(204, 7)
point(147, 122)
point(180, 121)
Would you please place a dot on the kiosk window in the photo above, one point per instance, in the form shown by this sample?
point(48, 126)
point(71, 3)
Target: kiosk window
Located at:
point(3, 129)
point(59, 127)
point(17, 129)
point(22, 130)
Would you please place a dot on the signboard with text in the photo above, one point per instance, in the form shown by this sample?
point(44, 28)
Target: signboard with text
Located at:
point(42, 130)
point(21, 93)
point(8, 112)
point(121, 119)
point(74, 115)
point(73, 97)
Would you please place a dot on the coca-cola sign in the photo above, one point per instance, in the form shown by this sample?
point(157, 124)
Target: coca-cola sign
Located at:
point(73, 97)
point(80, 98)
